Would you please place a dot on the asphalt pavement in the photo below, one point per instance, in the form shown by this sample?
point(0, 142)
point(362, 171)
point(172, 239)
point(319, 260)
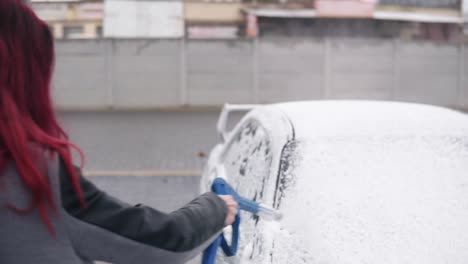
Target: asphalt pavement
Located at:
point(149, 157)
point(142, 140)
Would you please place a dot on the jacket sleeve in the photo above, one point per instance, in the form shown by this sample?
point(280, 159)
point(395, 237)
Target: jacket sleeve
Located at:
point(181, 230)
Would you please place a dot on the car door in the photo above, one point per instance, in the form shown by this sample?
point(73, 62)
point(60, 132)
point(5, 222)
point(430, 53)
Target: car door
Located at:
point(247, 164)
point(250, 161)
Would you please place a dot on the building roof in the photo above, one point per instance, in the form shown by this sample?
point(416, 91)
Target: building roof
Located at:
point(423, 3)
point(425, 15)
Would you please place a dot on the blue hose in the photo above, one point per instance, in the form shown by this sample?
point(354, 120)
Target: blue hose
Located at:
point(221, 187)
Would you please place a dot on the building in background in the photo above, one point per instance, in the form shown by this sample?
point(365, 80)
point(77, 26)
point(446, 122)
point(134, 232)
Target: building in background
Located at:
point(345, 9)
point(465, 15)
point(72, 19)
point(143, 19)
point(221, 19)
point(439, 20)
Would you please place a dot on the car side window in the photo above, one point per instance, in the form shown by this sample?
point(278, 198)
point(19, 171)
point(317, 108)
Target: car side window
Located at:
point(248, 159)
point(247, 162)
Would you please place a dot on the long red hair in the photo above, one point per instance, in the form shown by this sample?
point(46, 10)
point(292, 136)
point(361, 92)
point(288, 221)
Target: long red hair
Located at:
point(26, 115)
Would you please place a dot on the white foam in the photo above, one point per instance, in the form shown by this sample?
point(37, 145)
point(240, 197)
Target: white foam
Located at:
point(371, 118)
point(375, 182)
point(378, 200)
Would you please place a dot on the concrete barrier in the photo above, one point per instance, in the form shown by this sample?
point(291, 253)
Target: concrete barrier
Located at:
point(428, 73)
point(464, 77)
point(219, 72)
point(361, 69)
point(81, 79)
point(146, 73)
point(97, 74)
point(290, 69)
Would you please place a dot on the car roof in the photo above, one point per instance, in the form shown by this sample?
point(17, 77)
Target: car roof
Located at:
point(372, 118)
point(366, 185)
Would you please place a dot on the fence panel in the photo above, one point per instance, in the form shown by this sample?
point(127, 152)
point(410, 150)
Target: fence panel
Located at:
point(361, 69)
point(79, 79)
point(146, 73)
point(429, 73)
point(219, 71)
point(464, 78)
point(290, 69)
point(159, 73)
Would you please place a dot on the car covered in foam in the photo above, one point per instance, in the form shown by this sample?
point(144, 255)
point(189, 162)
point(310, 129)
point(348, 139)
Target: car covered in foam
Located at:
point(357, 182)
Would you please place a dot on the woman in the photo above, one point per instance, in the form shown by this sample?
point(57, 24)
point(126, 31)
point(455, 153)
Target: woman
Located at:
point(50, 213)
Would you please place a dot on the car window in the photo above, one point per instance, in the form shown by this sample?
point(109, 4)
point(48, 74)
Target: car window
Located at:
point(247, 162)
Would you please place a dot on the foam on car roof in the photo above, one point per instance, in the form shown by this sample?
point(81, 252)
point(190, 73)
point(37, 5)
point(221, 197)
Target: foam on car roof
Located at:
point(385, 184)
point(371, 118)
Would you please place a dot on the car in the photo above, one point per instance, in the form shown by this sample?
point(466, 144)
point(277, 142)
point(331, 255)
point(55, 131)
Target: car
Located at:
point(357, 182)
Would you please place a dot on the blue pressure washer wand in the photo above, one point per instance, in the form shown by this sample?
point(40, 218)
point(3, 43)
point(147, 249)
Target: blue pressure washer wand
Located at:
point(221, 187)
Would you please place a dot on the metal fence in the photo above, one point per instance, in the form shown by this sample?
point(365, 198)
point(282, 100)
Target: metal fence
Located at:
point(95, 74)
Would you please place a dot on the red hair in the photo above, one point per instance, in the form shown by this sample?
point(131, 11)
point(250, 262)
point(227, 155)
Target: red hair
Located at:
point(26, 115)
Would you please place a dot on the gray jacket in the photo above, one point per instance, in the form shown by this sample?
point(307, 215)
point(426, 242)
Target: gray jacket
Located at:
point(24, 238)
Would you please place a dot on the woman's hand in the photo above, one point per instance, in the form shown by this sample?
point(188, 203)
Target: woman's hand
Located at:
point(232, 208)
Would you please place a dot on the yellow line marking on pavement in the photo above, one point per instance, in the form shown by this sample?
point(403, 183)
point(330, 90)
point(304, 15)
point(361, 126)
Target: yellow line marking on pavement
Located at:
point(175, 108)
point(148, 173)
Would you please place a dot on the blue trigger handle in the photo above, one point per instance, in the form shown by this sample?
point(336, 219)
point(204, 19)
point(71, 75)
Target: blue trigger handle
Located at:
point(221, 187)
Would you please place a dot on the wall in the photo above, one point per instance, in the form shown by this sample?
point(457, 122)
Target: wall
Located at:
point(171, 73)
point(81, 77)
point(465, 14)
point(428, 74)
point(360, 69)
point(145, 73)
point(290, 69)
point(465, 8)
point(218, 72)
point(464, 79)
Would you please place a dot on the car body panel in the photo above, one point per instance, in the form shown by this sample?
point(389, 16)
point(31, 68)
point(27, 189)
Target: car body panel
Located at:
point(358, 182)
point(252, 169)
